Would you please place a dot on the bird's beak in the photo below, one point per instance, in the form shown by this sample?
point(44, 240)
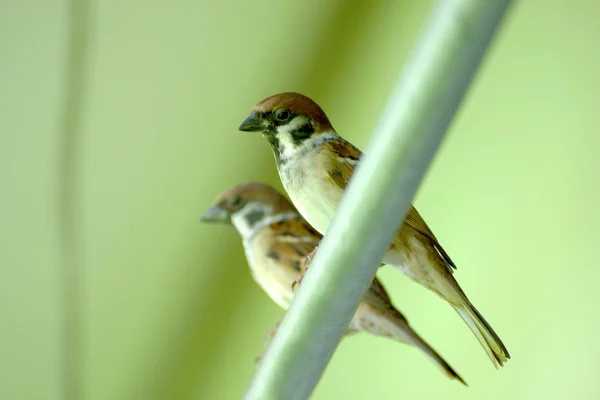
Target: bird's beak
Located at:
point(254, 123)
point(215, 214)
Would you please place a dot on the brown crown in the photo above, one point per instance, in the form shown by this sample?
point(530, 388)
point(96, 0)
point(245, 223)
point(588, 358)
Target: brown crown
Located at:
point(261, 192)
point(299, 104)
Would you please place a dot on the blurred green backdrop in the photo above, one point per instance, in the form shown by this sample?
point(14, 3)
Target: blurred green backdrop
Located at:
point(170, 310)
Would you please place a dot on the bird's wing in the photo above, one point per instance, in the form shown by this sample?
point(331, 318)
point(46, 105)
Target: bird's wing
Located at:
point(377, 297)
point(341, 160)
point(415, 221)
point(293, 240)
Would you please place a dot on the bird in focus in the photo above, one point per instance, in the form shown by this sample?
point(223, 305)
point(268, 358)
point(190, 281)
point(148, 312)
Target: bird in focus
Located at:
point(315, 165)
point(276, 241)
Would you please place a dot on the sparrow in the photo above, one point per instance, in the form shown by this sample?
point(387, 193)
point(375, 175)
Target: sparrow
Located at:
point(276, 241)
point(315, 165)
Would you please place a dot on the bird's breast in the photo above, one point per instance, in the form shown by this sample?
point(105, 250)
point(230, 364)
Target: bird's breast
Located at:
point(311, 192)
point(271, 275)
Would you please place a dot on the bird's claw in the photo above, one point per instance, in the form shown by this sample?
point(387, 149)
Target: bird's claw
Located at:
point(307, 261)
point(310, 256)
point(297, 282)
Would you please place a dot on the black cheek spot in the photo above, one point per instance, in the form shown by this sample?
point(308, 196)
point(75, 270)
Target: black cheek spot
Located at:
point(306, 130)
point(302, 133)
point(254, 216)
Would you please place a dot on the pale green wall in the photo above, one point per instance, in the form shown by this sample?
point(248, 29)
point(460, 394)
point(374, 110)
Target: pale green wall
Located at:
point(170, 308)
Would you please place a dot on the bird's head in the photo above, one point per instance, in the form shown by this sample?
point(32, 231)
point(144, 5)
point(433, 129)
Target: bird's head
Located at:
point(246, 205)
point(287, 120)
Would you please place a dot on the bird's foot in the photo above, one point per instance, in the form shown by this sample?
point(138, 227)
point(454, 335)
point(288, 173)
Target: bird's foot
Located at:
point(307, 261)
point(297, 282)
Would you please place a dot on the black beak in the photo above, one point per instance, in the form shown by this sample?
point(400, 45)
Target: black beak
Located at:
point(254, 123)
point(215, 214)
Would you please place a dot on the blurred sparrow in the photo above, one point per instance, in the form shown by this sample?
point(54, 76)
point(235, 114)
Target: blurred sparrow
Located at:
point(277, 240)
point(315, 165)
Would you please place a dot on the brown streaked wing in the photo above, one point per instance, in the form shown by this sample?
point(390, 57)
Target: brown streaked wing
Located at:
point(293, 240)
point(415, 221)
point(339, 172)
point(341, 158)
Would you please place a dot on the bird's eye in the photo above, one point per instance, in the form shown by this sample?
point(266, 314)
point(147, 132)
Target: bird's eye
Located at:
point(282, 115)
point(236, 201)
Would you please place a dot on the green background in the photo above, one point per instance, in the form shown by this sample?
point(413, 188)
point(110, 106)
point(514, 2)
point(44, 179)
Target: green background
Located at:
point(169, 307)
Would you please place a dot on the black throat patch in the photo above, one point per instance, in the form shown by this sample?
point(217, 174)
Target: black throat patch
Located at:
point(275, 146)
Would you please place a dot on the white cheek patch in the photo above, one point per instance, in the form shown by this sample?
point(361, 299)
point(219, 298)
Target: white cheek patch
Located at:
point(286, 144)
point(293, 125)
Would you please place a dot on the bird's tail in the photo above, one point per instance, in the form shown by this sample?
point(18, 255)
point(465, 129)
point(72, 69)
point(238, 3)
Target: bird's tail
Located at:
point(402, 332)
point(489, 340)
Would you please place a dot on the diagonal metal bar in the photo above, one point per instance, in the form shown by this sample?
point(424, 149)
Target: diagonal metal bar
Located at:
point(417, 116)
